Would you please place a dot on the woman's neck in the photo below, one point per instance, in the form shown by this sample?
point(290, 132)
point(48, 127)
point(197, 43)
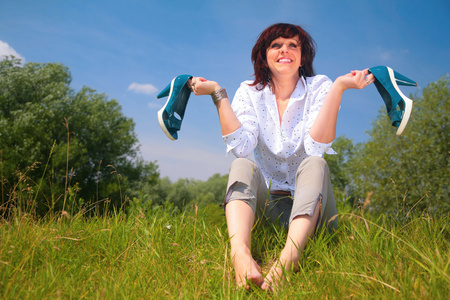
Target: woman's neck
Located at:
point(284, 87)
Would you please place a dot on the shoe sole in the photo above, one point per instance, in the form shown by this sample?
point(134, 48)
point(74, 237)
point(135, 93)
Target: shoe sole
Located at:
point(161, 112)
point(408, 103)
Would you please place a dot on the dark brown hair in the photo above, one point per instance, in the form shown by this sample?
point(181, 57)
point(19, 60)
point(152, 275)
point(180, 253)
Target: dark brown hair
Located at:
point(284, 30)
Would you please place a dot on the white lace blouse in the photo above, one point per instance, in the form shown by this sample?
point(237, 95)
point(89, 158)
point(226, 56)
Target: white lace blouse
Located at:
point(278, 148)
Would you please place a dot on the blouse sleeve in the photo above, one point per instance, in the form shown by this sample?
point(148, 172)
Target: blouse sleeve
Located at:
point(319, 88)
point(243, 141)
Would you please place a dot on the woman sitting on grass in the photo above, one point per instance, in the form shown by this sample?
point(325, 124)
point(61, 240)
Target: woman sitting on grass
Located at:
point(287, 118)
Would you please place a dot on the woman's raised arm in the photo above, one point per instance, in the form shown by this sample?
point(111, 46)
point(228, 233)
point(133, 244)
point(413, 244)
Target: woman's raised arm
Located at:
point(228, 120)
point(324, 128)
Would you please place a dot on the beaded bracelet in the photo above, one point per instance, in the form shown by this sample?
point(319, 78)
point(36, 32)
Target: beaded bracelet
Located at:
point(219, 95)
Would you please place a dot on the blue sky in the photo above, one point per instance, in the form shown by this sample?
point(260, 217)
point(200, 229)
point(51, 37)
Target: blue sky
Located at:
point(132, 49)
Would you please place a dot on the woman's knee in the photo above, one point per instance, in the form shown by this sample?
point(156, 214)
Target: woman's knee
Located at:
point(315, 161)
point(245, 181)
point(313, 165)
point(245, 170)
point(240, 182)
point(241, 163)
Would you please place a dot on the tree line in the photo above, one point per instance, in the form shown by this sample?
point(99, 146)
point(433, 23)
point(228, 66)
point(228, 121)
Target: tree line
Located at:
point(66, 150)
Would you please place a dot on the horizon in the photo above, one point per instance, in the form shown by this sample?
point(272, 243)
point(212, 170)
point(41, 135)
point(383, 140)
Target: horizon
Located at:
point(131, 51)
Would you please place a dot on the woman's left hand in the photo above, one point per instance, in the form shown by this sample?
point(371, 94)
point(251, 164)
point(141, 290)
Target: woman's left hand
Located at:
point(355, 80)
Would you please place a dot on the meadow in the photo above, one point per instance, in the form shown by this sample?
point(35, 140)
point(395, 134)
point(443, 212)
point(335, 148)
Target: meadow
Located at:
point(162, 254)
point(173, 243)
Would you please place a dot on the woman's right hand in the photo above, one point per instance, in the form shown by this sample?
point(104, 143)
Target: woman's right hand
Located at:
point(201, 86)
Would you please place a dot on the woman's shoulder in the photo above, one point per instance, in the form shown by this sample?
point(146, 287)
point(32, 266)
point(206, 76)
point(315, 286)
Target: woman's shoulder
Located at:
point(317, 80)
point(249, 86)
point(247, 94)
point(248, 89)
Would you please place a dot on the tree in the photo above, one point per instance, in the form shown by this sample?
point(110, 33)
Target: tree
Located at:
point(185, 193)
point(338, 165)
point(411, 170)
point(82, 140)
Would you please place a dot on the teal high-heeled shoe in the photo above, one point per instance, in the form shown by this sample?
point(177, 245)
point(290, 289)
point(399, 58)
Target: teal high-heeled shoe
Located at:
point(398, 106)
point(172, 113)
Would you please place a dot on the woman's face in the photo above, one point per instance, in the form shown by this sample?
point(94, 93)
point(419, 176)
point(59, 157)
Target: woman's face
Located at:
point(284, 57)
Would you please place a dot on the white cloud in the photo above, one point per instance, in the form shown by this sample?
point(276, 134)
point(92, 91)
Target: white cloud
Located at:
point(385, 56)
point(140, 88)
point(7, 50)
point(388, 55)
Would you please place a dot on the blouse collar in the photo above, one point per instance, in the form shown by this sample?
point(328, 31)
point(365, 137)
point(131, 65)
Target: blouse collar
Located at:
point(299, 93)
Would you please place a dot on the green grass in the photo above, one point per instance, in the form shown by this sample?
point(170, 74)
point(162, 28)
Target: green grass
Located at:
point(157, 254)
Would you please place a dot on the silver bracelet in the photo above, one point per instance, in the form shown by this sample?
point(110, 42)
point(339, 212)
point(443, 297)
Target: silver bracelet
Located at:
point(219, 95)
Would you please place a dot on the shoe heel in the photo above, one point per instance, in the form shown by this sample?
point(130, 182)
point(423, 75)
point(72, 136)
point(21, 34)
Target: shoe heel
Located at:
point(165, 92)
point(403, 80)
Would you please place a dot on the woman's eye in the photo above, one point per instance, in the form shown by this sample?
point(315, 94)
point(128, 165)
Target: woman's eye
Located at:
point(293, 46)
point(275, 45)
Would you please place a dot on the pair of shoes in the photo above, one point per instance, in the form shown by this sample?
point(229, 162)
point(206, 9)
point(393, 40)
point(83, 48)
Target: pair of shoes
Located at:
point(172, 113)
point(397, 104)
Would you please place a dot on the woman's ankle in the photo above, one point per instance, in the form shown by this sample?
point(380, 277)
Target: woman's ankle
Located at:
point(289, 259)
point(240, 250)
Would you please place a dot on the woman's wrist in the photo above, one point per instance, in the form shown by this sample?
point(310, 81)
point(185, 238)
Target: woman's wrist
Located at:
point(219, 94)
point(339, 84)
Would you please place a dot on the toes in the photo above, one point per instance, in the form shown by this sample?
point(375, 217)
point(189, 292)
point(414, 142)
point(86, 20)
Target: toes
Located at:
point(267, 287)
point(256, 279)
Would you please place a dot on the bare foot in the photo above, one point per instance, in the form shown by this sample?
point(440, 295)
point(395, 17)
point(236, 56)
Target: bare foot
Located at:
point(274, 278)
point(246, 269)
point(277, 273)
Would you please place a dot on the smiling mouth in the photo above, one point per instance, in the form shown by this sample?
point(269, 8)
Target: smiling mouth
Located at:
point(284, 60)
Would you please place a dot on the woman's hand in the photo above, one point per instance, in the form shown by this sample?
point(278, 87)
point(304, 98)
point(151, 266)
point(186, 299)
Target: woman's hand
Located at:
point(201, 86)
point(355, 80)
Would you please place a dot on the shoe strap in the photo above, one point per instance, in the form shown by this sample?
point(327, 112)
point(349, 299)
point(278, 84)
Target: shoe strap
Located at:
point(173, 123)
point(396, 117)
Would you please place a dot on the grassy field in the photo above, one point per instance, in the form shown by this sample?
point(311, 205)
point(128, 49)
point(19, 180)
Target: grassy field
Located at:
point(158, 254)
